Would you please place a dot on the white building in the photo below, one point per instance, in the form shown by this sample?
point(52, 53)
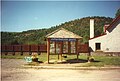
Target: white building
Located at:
point(108, 42)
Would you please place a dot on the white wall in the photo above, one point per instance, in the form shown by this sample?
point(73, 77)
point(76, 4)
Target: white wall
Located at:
point(113, 38)
point(98, 40)
point(109, 42)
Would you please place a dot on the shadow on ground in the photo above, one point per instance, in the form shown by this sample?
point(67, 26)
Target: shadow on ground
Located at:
point(72, 61)
point(40, 62)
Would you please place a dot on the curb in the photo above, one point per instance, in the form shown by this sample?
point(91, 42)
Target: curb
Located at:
point(72, 68)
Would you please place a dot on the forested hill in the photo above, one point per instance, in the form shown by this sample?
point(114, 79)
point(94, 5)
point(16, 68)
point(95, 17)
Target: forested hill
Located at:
point(78, 26)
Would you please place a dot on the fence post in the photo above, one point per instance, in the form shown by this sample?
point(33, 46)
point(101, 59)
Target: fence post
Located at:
point(13, 51)
point(89, 50)
point(77, 49)
point(21, 50)
point(6, 50)
point(30, 53)
point(38, 50)
point(89, 53)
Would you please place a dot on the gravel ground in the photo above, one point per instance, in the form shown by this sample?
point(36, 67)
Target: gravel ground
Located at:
point(13, 71)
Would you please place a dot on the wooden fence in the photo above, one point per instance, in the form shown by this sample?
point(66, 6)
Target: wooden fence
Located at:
point(23, 48)
point(82, 48)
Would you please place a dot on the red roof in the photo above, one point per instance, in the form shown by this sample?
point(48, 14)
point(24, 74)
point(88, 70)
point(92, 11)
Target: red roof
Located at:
point(113, 22)
point(97, 36)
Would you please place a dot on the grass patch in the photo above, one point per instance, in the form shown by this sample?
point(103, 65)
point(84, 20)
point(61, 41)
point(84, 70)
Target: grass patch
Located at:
point(108, 60)
point(100, 61)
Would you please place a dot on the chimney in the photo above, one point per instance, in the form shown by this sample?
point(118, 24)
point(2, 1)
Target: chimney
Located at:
point(91, 28)
point(105, 27)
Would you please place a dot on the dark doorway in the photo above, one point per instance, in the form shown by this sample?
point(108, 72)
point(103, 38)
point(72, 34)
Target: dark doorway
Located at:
point(98, 46)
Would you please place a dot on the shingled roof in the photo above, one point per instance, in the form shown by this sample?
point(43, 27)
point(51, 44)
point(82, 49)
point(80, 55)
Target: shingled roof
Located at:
point(62, 33)
point(113, 22)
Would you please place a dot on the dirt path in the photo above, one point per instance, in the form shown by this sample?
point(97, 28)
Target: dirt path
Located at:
point(12, 71)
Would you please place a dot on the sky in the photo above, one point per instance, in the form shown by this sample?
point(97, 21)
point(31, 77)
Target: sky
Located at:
point(18, 16)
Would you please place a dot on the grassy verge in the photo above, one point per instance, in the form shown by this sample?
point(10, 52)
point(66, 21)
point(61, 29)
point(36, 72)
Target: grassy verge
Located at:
point(99, 60)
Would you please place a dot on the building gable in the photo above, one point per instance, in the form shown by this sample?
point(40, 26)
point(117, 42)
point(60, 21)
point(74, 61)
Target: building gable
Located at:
point(62, 33)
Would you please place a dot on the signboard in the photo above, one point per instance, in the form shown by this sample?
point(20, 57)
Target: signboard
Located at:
point(65, 47)
point(52, 47)
point(73, 47)
point(63, 39)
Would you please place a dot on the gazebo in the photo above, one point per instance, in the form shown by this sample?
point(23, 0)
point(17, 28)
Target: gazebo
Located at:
point(62, 41)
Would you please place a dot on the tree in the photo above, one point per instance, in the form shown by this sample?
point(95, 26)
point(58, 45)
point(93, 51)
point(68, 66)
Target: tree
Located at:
point(117, 13)
point(78, 26)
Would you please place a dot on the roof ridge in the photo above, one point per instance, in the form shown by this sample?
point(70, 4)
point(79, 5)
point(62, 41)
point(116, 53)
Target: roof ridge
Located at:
point(113, 22)
point(74, 35)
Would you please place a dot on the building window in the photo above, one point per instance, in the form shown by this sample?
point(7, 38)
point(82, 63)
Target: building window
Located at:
point(98, 46)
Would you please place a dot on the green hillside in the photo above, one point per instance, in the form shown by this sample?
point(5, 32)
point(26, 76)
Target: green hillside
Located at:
point(78, 26)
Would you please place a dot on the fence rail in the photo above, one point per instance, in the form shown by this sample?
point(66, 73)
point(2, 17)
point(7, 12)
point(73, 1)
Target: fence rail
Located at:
point(23, 48)
point(82, 48)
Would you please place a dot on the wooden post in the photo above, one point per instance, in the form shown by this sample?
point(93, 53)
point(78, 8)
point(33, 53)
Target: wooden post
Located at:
point(77, 49)
point(6, 53)
point(61, 50)
point(58, 56)
point(61, 56)
point(69, 48)
point(38, 50)
point(89, 50)
point(55, 46)
point(13, 50)
point(30, 53)
point(55, 50)
point(21, 50)
point(48, 49)
point(89, 53)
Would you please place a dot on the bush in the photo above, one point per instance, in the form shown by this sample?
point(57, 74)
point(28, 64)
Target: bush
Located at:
point(34, 57)
point(91, 59)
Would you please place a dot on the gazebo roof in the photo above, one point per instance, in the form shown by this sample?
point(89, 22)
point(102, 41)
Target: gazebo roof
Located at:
point(62, 33)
